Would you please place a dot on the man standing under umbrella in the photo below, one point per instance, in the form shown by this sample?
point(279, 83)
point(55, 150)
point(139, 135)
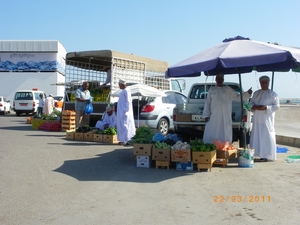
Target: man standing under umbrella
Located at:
point(125, 120)
point(217, 111)
point(264, 104)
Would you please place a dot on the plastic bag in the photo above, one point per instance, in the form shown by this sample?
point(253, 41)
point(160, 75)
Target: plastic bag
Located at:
point(89, 107)
point(158, 137)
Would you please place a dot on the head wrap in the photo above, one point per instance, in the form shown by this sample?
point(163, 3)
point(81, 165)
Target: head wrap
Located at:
point(108, 108)
point(264, 78)
point(121, 81)
point(51, 95)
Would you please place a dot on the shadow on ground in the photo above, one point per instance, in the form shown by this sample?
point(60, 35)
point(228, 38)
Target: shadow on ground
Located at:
point(118, 165)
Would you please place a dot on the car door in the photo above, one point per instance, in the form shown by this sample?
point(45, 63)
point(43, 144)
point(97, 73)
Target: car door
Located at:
point(169, 102)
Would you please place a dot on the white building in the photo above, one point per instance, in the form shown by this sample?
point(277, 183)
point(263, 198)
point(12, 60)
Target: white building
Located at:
point(31, 64)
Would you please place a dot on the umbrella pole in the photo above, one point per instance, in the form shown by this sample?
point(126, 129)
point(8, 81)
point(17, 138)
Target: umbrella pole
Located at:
point(138, 110)
point(242, 111)
point(272, 80)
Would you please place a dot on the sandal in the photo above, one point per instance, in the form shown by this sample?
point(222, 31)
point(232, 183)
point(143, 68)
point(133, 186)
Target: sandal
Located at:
point(261, 160)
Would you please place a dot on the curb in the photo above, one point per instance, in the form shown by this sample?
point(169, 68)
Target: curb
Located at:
point(290, 141)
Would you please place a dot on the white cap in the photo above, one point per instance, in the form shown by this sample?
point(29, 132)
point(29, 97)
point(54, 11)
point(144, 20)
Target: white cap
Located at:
point(108, 108)
point(51, 95)
point(264, 78)
point(121, 81)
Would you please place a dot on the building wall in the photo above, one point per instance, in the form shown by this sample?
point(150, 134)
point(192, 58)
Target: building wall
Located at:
point(32, 64)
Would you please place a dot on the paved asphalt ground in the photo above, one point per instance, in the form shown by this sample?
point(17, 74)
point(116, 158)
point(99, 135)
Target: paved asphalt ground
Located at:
point(47, 179)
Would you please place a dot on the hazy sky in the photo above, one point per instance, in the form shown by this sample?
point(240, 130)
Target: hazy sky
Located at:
point(166, 30)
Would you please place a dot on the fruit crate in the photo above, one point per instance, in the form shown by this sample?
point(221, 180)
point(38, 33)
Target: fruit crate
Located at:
point(68, 114)
point(65, 127)
point(109, 139)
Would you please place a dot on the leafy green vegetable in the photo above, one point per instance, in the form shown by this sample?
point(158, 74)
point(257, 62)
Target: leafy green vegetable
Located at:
point(143, 135)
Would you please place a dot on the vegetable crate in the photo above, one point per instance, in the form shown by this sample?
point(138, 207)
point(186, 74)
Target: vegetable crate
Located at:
point(161, 154)
point(88, 136)
point(109, 139)
point(78, 136)
point(181, 155)
point(97, 137)
point(204, 157)
point(227, 154)
point(70, 135)
point(142, 149)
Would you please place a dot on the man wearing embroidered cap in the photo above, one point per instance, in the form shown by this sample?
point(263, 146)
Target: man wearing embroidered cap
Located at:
point(125, 120)
point(109, 119)
point(264, 104)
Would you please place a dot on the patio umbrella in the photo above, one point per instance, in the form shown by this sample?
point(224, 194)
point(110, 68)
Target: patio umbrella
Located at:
point(141, 90)
point(235, 56)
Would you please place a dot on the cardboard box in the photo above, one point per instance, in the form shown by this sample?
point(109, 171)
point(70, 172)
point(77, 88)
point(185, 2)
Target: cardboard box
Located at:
point(180, 155)
point(142, 149)
point(161, 154)
point(204, 157)
point(183, 117)
point(184, 166)
point(228, 154)
point(143, 161)
point(70, 135)
point(109, 138)
point(88, 136)
point(78, 136)
point(97, 137)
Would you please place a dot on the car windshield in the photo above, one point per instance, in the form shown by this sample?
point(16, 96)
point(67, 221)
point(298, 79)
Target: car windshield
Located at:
point(58, 98)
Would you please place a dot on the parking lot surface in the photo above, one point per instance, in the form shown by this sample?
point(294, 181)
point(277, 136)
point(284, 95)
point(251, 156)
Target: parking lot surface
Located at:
point(47, 179)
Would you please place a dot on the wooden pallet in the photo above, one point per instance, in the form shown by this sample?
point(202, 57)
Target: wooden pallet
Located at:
point(207, 166)
point(221, 162)
point(159, 163)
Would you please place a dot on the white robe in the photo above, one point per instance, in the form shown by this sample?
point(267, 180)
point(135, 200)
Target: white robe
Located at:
point(110, 120)
point(218, 107)
point(49, 105)
point(262, 137)
point(125, 120)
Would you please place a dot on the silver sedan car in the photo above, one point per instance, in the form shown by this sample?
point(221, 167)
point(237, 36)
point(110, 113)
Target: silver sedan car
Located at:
point(157, 112)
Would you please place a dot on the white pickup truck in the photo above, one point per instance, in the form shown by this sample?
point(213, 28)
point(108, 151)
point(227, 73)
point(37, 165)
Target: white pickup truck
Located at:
point(188, 120)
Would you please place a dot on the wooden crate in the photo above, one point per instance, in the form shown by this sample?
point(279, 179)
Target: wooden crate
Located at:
point(70, 135)
point(220, 162)
point(162, 164)
point(207, 166)
point(97, 137)
point(88, 136)
point(65, 127)
point(109, 139)
point(78, 136)
point(68, 113)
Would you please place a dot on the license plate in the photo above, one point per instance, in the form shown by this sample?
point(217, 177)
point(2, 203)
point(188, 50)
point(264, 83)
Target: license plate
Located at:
point(23, 104)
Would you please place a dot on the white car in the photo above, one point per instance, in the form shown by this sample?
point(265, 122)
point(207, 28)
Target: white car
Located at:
point(157, 112)
point(4, 105)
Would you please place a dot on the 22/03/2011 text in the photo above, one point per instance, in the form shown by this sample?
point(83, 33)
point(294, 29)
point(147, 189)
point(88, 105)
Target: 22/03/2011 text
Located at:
point(240, 198)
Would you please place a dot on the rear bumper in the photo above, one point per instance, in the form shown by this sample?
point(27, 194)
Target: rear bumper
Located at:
point(23, 110)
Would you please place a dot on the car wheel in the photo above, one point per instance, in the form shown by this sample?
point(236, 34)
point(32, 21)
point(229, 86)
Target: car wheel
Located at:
point(18, 114)
point(163, 126)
